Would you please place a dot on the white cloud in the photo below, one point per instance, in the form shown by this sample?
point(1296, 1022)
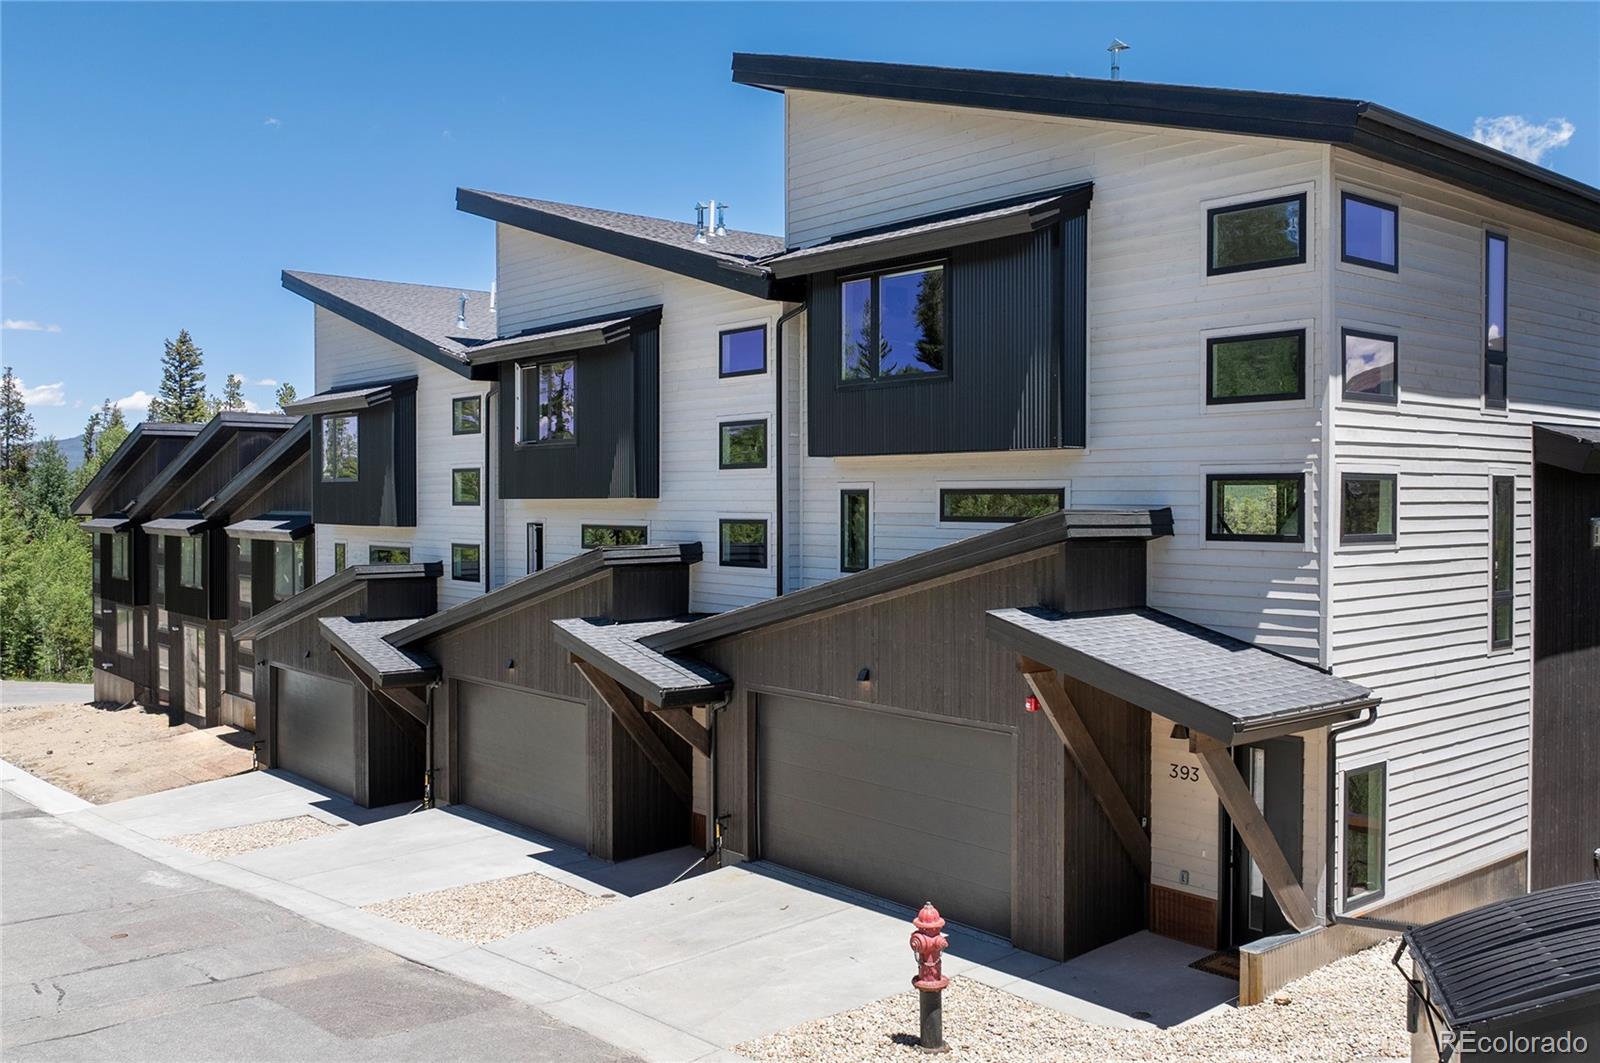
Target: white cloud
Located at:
point(45, 394)
point(1515, 135)
point(264, 382)
point(274, 122)
point(12, 325)
point(137, 404)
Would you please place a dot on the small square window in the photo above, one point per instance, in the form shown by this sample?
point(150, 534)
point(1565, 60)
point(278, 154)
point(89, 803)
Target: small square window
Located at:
point(466, 415)
point(465, 487)
point(1262, 367)
point(742, 445)
point(1365, 827)
point(1367, 510)
point(1371, 233)
point(1263, 508)
point(744, 543)
point(341, 447)
point(464, 562)
point(855, 530)
point(998, 505)
point(338, 557)
point(742, 352)
point(595, 535)
point(1258, 235)
point(1371, 366)
point(388, 555)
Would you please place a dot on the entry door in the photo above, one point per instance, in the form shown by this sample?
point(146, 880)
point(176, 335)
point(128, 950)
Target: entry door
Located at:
point(194, 669)
point(1275, 773)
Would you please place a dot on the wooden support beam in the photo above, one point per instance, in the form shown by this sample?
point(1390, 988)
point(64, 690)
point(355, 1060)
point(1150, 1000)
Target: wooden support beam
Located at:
point(1070, 728)
point(622, 707)
point(402, 705)
point(1216, 760)
point(686, 727)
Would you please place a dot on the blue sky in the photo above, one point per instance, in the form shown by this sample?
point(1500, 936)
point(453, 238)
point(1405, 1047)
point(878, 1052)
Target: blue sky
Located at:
point(161, 163)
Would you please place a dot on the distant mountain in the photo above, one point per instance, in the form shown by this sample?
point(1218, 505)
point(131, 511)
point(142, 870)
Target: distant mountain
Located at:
point(72, 450)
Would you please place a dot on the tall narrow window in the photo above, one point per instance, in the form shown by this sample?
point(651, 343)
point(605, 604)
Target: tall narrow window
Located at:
point(1367, 508)
point(341, 447)
point(191, 558)
point(1258, 235)
point(1365, 801)
point(119, 555)
point(283, 571)
point(466, 415)
point(855, 530)
point(1262, 367)
point(242, 563)
point(1255, 508)
point(535, 547)
point(125, 630)
point(1502, 559)
point(893, 325)
point(1371, 233)
point(1371, 366)
point(742, 352)
point(1494, 321)
point(743, 543)
point(338, 557)
point(554, 416)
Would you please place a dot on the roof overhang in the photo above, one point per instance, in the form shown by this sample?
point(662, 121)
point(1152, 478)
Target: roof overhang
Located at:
point(363, 643)
point(1360, 126)
point(279, 527)
point(189, 524)
point(206, 444)
point(351, 399)
point(1575, 448)
point(664, 681)
point(325, 591)
point(372, 322)
point(1010, 217)
point(268, 465)
point(142, 436)
point(107, 525)
point(566, 337)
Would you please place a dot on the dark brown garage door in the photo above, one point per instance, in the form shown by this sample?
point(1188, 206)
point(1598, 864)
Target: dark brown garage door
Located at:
point(314, 728)
point(524, 756)
point(905, 807)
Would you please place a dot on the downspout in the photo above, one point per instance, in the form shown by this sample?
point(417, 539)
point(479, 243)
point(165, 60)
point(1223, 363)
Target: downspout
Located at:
point(1331, 905)
point(488, 487)
point(712, 855)
point(777, 460)
point(427, 747)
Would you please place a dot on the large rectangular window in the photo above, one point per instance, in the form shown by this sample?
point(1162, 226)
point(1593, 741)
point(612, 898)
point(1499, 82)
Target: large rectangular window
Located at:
point(1365, 799)
point(742, 445)
point(466, 415)
point(341, 447)
point(1261, 367)
point(742, 543)
point(742, 352)
point(1260, 235)
point(549, 402)
point(125, 630)
point(465, 486)
point(1494, 321)
point(1367, 509)
point(119, 555)
point(1371, 233)
point(594, 535)
point(535, 547)
point(464, 562)
point(855, 530)
point(893, 325)
point(998, 505)
point(244, 681)
point(1502, 559)
point(388, 555)
point(288, 569)
point(191, 562)
point(243, 562)
point(1253, 507)
point(1371, 366)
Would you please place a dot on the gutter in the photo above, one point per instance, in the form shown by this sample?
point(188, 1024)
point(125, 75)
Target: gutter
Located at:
point(1331, 905)
point(486, 416)
point(777, 443)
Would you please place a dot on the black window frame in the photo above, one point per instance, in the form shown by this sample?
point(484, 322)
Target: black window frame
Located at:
point(723, 524)
point(722, 372)
point(456, 562)
point(323, 425)
point(585, 529)
point(121, 554)
point(455, 405)
point(1344, 367)
point(526, 393)
point(295, 553)
point(454, 501)
point(1060, 494)
point(845, 496)
point(1358, 538)
point(124, 646)
point(244, 576)
point(1300, 367)
point(1493, 357)
point(340, 557)
point(1507, 598)
point(193, 565)
point(535, 541)
point(875, 274)
point(1213, 213)
point(1299, 478)
point(379, 546)
point(1365, 896)
point(1357, 260)
point(723, 426)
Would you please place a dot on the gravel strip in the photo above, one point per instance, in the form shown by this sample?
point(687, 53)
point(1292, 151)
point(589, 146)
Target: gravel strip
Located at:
point(1352, 1009)
point(231, 841)
point(488, 911)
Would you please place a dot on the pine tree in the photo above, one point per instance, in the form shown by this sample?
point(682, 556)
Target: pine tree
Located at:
point(91, 432)
point(48, 493)
point(182, 396)
point(286, 394)
point(16, 430)
point(233, 393)
point(111, 428)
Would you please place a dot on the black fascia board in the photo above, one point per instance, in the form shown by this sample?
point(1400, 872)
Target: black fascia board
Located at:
point(294, 607)
point(117, 464)
point(541, 340)
point(375, 323)
point(269, 464)
point(203, 447)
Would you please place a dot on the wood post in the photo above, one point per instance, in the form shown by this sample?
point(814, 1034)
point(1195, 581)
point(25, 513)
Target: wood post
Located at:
point(405, 707)
point(633, 721)
point(1216, 760)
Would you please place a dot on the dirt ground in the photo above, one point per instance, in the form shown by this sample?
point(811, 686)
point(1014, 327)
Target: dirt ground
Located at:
point(108, 754)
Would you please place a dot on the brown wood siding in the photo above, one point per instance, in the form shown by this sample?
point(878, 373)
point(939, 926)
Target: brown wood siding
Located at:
point(1565, 805)
point(1073, 886)
point(1184, 916)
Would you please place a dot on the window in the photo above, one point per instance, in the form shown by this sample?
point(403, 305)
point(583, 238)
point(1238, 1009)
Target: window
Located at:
point(742, 445)
point(855, 516)
point(1371, 233)
point(548, 403)
point(1256, 368)
point(338, 557)
point(191, 562)
point(1371, 366)
point(341, 446)
point(1365, 794)
point(998, 505)
point(125, 630)
point(244, 679)
point(744, 543)
point(464, 487)
point(1255, 507)
point(742, 351)
point(1258, 235)
point(99, 634)
point(388, 555)
point(466, 415)
point(242, 565)
point(893, 325)
point(288, 569)
point(464, 562)
point(594, 535)
point(1367, 512)
point(1494, 321)
point(163, 670)
point(119, 555)
point(1502, 559)
point(535, 548)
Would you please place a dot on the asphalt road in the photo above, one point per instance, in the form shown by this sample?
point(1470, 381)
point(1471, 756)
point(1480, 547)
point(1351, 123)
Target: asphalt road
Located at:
point(15, 693)
point(108, 955)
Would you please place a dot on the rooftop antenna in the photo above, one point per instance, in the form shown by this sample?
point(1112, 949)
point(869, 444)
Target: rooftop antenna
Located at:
point(1116, 48)
point(461, 312)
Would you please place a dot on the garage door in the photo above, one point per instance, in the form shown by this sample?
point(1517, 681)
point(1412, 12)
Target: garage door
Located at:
point(903, 807)
point(524, 756)
point(315, 728)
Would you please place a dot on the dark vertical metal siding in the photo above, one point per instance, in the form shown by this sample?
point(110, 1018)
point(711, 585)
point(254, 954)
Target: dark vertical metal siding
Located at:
point(647, 414)
point(1075, 331)
point(386, 491)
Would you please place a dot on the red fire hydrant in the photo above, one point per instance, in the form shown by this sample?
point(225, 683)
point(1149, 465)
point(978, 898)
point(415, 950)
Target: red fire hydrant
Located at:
point(928, 944)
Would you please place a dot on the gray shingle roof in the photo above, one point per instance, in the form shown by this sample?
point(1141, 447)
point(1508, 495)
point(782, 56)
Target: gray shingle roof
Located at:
point(365, 643)
point(1190, 674)
point(661, 679)
point(187, 524)
point(422, 311)
point(279, 526)
point(324, 592)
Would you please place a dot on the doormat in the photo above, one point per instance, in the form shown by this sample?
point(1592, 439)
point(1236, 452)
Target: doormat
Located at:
point(1224, 964)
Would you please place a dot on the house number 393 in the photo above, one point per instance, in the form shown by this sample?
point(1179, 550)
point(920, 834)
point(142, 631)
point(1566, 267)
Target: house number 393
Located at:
point(1186, 772)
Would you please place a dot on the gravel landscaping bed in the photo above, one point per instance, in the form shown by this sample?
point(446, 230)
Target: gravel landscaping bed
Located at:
point(488, 911)
point(1352, 1009)
point(231, 841)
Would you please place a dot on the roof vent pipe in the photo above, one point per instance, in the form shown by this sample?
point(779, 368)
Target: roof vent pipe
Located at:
point(461, 312)
point(1116, 48)
point(719, 218)
point(699, 223)
point(492, 286)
